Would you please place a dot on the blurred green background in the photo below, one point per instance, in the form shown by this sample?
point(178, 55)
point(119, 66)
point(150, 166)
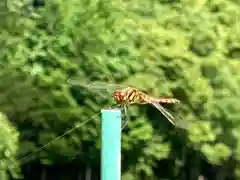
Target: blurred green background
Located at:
point(182, 48)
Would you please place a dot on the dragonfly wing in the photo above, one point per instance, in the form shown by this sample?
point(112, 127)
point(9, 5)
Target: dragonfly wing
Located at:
point(104, 85)
point(164, 111)
point(103, 92)
point(176, 121)
point(95, 85)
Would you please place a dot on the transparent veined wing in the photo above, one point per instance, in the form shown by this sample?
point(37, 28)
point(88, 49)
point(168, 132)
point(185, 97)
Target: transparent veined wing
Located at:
point(96, 85)
point(103, 89)
point(176, 121)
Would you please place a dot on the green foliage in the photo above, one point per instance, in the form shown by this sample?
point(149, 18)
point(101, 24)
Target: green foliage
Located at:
point(8, 149)
point(184, 49)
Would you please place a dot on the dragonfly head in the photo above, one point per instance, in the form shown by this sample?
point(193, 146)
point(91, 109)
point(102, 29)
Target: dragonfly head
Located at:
point(119, 96)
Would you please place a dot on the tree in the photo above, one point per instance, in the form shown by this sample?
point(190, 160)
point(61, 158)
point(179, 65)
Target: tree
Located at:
point(8, 150)
point(181, 48)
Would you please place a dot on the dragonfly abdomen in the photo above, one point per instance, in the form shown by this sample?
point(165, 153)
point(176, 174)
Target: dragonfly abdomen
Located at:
point(166, 100)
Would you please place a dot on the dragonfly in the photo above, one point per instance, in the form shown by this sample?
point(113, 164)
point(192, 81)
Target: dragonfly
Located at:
point(125, 96)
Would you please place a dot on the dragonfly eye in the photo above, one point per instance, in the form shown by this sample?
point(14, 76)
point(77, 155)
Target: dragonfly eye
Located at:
point(122, 94)
point(118, 95)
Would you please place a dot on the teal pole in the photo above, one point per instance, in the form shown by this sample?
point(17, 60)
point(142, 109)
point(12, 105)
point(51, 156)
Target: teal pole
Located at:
point(111, 144)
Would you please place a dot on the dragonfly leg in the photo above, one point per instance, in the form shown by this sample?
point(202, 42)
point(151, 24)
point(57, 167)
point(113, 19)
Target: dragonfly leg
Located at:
point(126, 117)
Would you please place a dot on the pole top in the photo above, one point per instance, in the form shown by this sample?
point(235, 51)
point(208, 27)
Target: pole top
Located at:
point(111, 110)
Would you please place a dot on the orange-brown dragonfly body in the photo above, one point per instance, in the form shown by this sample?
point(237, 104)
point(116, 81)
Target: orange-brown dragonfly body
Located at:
point(130, 95)
point(133, 96)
